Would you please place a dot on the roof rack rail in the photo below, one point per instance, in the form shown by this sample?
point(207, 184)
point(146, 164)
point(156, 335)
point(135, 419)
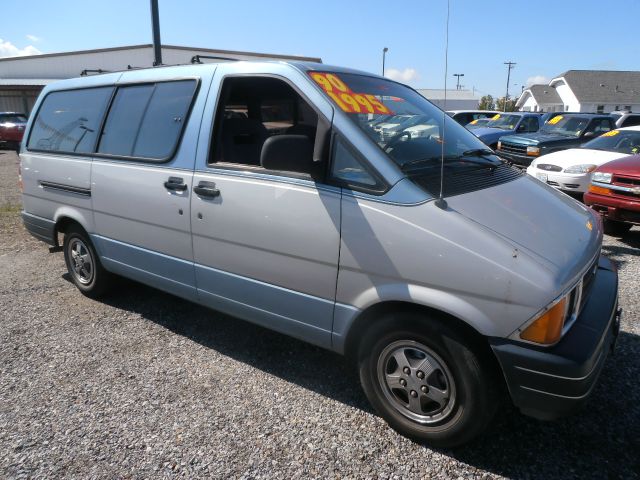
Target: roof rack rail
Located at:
point(196, 58)
point(87, 71)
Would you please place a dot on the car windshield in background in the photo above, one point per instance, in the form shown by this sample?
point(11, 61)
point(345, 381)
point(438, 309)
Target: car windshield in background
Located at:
point(569, 126)
point(13, 118)
point(616, 141)
point(403, 124)
point(504, 122)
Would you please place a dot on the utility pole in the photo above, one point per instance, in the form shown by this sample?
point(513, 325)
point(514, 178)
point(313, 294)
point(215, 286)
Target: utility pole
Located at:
point(155, 25)
point(384, 54)
point(458, 75)
point(506, 97)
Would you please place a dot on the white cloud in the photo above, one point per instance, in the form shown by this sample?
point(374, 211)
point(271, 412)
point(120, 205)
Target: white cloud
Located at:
point(536, 80)
point(33, 38)
point(8, 49)
point(407, 75)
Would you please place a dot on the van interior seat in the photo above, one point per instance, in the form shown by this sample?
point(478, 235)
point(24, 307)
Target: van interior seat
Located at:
point(242, 140)
point(303, 129)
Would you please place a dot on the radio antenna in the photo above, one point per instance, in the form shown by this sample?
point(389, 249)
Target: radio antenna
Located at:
point(441, 202)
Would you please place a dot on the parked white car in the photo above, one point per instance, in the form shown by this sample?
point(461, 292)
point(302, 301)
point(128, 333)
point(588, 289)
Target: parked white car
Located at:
point(570, 170)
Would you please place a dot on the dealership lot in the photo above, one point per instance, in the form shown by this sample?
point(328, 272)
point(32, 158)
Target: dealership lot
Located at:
point(144, 384)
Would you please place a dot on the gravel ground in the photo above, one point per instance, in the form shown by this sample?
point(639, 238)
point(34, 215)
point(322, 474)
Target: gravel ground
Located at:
point(145, 385)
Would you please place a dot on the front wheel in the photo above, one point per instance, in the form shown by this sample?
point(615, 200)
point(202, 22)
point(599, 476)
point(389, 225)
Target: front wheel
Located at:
point(427, 382)
point(83, 264)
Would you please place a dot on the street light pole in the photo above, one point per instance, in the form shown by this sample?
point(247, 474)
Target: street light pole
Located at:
point(458, 75)
point(384, 53)
point(506, 97)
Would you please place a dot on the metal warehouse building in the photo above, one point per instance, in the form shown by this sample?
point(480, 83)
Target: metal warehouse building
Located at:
point(22, 78)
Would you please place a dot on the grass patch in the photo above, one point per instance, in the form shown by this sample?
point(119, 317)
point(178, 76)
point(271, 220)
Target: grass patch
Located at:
point(10, 208)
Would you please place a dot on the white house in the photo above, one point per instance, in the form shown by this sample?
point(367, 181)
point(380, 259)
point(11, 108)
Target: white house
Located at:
point(540, 98)
point(599, 91)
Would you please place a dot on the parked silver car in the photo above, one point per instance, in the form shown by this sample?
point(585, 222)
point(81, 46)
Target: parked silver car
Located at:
point(261, 189)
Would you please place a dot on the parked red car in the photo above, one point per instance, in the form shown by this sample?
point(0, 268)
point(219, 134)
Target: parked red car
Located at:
point(615, 194)
point(12, 127)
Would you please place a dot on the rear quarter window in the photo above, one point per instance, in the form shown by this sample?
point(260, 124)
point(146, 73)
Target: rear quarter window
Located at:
point(146, 121)
point(69, 121)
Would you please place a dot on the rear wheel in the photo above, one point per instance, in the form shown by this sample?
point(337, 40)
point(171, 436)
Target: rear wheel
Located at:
point(83, 263)
point(611, 227)
point(426, 381)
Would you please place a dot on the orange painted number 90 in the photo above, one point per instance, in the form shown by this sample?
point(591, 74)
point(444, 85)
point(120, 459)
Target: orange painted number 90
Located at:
point(330, 82)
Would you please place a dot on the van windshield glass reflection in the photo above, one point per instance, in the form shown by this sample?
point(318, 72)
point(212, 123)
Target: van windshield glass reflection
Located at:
point(404, 124)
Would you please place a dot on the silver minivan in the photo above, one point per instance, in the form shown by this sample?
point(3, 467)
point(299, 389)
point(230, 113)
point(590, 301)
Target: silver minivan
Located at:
point(265, 190)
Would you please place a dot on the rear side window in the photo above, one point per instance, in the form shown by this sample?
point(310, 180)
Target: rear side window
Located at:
point(146, 121)
point(69, 121)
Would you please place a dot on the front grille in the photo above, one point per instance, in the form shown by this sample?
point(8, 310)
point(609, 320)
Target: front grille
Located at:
point(548, 167)
point(626, 194)
point(468, 180)
point(512, 148)
point(626, 181)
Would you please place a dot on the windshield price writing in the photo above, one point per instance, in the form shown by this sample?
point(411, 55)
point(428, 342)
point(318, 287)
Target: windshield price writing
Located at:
point(347, 100)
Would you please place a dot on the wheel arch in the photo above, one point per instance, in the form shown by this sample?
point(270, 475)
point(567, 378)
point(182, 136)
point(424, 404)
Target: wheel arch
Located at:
point(65, 217)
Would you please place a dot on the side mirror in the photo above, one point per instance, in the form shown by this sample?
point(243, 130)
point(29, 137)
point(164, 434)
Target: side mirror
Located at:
point(521, 128)
point(289, 153)
point(588, 135)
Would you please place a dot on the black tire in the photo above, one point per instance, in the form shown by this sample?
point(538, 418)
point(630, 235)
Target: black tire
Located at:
point(88, 274)
point(470, 379)
point(611, 227)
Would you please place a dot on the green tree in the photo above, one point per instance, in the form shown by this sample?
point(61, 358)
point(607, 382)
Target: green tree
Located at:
point(511, 105)
point(487, 103)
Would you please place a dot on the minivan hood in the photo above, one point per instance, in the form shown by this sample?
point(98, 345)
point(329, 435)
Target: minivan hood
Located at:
point(561, 232)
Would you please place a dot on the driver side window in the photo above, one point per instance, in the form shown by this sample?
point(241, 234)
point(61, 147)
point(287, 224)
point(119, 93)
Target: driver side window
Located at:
point(262, 123)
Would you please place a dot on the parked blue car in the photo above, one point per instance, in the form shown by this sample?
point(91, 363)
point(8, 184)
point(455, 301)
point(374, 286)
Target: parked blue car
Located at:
point(509, 123)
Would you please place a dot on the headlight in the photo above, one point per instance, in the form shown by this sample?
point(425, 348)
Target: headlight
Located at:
point(547, 328)
point(499, 145)
point(583, 168)
point(601, 177)
point(533, 151)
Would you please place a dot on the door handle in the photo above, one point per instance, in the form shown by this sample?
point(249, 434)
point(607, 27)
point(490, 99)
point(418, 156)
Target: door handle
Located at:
point(176, 184)
point(206, 189)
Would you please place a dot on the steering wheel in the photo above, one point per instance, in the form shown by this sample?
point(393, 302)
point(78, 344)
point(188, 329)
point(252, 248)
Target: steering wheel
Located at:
point(396, 139)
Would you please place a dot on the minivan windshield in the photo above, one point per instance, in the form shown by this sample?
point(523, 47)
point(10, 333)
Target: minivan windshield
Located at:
point(504, 122)
point(623, 141)
point(568, 126)
point(412, 132)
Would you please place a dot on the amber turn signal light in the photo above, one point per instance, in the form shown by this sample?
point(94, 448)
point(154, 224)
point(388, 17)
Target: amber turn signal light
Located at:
point(599, 190)
point(547, 329)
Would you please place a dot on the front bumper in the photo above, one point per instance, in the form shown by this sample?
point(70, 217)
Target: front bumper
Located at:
point(548, 383)
point(578, 182)
point(614, 208)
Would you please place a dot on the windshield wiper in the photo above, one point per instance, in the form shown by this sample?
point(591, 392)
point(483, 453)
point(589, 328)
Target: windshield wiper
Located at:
point(476, 152)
